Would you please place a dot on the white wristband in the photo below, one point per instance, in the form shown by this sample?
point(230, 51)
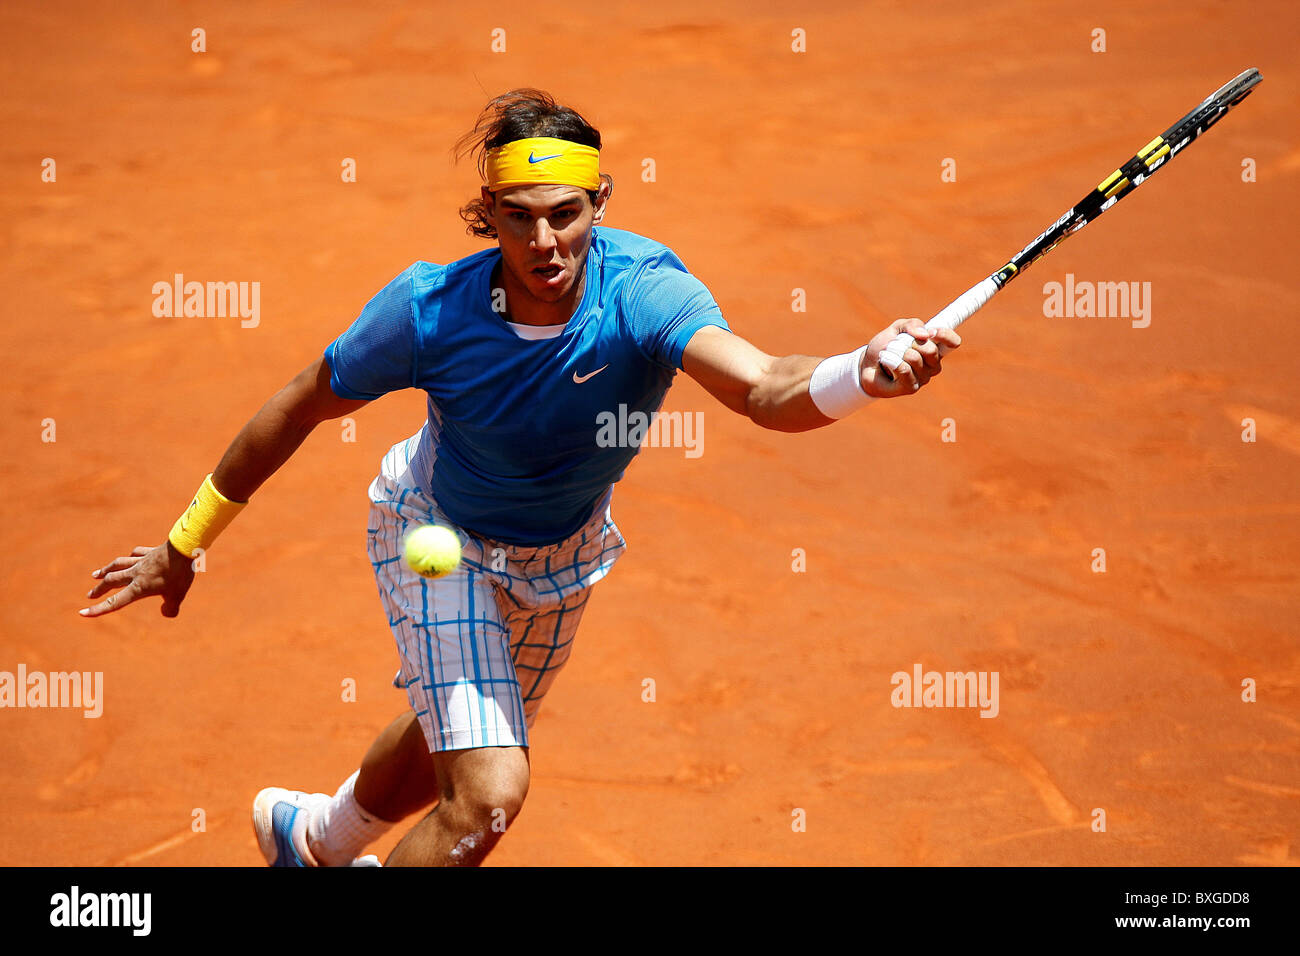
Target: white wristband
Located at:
point(836, 384)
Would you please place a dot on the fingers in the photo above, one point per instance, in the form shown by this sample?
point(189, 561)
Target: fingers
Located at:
point(900, 380)
point(114, 602)
point(915, 360)
point(942, 342)
point(932, 344)
point(118, 564)
point(915, 328)
point(110, 576)
point(918, 364)
point(110, 581)
point(924, 354)
point(930, 355)
point(948, 339)
point(125, 572)
point(143, 573)
point(911, 373)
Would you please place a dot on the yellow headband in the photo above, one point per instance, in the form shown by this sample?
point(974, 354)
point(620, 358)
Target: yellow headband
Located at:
point(543, 159)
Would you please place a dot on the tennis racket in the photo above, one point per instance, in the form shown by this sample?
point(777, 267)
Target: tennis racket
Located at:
point(1108, 192)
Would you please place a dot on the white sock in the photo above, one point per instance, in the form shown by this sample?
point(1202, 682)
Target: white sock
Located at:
point(342, 828)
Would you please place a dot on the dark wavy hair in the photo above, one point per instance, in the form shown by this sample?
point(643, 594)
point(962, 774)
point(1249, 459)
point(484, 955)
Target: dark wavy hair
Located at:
point(519, 114)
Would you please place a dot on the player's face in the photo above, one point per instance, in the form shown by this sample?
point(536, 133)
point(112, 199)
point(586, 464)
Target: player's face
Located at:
point(544, 232)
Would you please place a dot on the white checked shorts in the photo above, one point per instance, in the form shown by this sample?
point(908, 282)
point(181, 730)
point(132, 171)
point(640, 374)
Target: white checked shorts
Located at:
point(480, 647)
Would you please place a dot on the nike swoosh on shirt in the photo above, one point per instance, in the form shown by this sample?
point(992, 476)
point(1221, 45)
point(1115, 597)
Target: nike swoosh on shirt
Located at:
point(579, 379)
point(538, 159)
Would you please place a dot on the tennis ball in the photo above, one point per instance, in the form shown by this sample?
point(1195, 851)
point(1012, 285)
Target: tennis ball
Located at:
point(432, 551)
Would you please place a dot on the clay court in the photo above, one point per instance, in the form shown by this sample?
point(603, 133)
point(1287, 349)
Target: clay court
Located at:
point(774, 170)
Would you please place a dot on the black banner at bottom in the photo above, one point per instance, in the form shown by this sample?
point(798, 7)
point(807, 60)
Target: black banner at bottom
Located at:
point(646, 907)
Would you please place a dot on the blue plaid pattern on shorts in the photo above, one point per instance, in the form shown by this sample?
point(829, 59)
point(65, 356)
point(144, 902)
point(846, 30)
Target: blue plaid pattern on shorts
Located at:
point(480, 647)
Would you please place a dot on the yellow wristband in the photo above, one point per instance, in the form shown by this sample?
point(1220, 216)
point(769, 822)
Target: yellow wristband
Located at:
point(205, 518)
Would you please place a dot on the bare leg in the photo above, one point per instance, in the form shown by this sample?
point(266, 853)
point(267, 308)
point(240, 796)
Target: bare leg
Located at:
point(483, 791)
point(397, 777)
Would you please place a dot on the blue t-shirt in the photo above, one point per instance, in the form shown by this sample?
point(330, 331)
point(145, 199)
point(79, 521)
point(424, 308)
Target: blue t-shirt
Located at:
point(511, 447)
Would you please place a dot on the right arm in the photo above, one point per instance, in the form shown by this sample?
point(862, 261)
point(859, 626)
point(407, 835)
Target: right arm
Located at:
point(272, 435)
point(264, 444)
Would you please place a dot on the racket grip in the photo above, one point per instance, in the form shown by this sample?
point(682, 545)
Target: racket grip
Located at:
point(952, 315)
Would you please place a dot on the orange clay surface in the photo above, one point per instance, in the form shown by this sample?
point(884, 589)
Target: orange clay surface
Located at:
point(774, 171)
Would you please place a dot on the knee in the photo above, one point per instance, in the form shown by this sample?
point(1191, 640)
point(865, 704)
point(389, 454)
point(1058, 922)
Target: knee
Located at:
point(491, 804)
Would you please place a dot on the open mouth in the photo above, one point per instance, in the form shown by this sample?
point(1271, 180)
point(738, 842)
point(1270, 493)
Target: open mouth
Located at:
point(548, 272)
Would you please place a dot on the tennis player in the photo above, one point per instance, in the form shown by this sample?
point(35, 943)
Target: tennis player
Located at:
point(523, 350)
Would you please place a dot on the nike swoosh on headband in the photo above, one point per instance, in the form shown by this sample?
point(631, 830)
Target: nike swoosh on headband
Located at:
point(538, 159)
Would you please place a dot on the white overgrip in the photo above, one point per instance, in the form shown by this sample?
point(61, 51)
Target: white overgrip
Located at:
point(952, 315)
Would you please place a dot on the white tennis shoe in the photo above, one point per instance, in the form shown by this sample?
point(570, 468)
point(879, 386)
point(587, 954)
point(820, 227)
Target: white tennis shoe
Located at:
point(280, 820)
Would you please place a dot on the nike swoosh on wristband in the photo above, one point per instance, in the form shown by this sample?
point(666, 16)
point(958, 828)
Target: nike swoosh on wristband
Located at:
point(579, 379)
point(538, 159)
